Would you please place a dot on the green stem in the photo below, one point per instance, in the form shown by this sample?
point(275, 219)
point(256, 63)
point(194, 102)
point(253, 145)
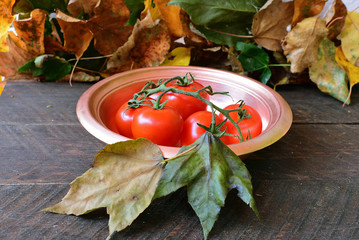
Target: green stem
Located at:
point(279, 65)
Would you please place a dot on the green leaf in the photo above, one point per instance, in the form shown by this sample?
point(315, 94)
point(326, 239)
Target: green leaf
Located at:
point(218, 17)
point(124, 179)
point(265, 76)
point(327, 73)
point(135, 7)
point(26, 6)
point(51, 67)
point(210, 170)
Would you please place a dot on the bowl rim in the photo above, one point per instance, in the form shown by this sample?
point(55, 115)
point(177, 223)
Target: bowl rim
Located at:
point(96, 127)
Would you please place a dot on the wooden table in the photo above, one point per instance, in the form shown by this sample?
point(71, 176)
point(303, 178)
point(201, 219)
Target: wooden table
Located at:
point(306, 185)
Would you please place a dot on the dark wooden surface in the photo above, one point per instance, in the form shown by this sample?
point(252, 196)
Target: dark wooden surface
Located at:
point(306, 185)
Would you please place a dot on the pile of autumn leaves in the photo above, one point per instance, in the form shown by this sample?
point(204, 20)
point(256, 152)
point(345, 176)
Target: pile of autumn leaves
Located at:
point(315, 36)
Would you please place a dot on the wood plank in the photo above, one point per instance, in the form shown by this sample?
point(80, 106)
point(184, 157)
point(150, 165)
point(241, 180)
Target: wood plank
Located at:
point(289, 209)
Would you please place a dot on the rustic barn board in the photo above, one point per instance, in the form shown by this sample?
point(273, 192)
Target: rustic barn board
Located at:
point(306, 185)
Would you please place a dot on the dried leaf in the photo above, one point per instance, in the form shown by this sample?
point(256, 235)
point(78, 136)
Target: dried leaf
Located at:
point(108, 26)
point(351, 70)
point(2, 86)
point(350, 38)
point(123, 180)
point(270, 24)
point(327, 73)
point(81, 77)
point(171, 16)
point(306, 8)
point(302, 42)
point(180, 56)
point(147, 46)
point(76, 7)
point(334, 13)
point(77, 35)
point(31, 31)
point(6, 20)
point(15, 58)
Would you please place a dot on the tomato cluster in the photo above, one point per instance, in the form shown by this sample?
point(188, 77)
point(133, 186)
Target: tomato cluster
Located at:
point(176, 122)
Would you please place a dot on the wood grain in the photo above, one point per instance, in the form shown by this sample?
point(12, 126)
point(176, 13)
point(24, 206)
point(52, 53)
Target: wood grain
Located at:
point(306, 185)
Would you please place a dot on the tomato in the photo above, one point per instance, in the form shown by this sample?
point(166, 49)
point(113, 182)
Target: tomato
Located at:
point(124, 119)
point(191, 131)
point(185, 105)
point(252, 125)
point(161, 126)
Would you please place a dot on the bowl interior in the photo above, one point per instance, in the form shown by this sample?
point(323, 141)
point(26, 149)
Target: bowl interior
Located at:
point(98, 105)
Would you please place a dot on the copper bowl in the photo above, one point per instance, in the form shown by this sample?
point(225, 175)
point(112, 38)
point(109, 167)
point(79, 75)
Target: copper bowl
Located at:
point(96, 108)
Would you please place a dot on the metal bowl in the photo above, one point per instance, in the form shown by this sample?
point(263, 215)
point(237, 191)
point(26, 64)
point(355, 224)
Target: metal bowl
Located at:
point(96, 108)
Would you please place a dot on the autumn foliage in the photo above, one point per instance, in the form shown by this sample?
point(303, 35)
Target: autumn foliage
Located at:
point(89, 40)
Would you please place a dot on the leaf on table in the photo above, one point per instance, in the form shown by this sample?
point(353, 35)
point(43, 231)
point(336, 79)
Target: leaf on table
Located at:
point(16, 56)
point(270, 24)
point(350, 38)
point(179, 56)
point(123, 179)
point(6, 20)
point(351, 70)
point(253, 59)
point(108, 26)
point(147, 46)
point(327, 73)
point(2, 86)
point(217, 17)
point(80, 77)
point(50, 67)
point(77, 7)
point(334, 13)
point(31, 31)
point(210, 170)
point(306, 9)
point(77, 35)
point(302, 42)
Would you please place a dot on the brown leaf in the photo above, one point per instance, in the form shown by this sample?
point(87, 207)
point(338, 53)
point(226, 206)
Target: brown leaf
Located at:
point(6, 21)
point(270, 24)
point(123, 180)
point(302, 42)
point(334, 15)
point(147, 46)
point(108, 26)
point(52, 45)
point(306, 8)
point(31, 31)
point(15, 58)
point(76, 7)
point(77, 35)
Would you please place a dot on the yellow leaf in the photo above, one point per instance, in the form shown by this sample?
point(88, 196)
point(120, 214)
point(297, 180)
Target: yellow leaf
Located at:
point(154, 11)
point(350, 38)
point(351, 70)
point(302, 42)
point(180, 56)
point(2, 85)
point(171, 16)
point(6, 19)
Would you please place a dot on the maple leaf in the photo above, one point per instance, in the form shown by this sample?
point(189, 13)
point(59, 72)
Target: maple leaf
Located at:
point(6, 20)
point(351, 70)
point(210, 170)
point(327, 73)
point(306, 9)
point(77, 35)
point(108, 26)
point(31, 31)
point(77, 7)
point(350, 38)
point(17, 56)
point(270, 24)
point(302, 42)
point(123, 180)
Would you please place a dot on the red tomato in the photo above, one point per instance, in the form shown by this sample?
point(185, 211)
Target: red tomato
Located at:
point(191, 131)
point(185, 105)
point(163, 127)
point(253, 125)
point(124, 118)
